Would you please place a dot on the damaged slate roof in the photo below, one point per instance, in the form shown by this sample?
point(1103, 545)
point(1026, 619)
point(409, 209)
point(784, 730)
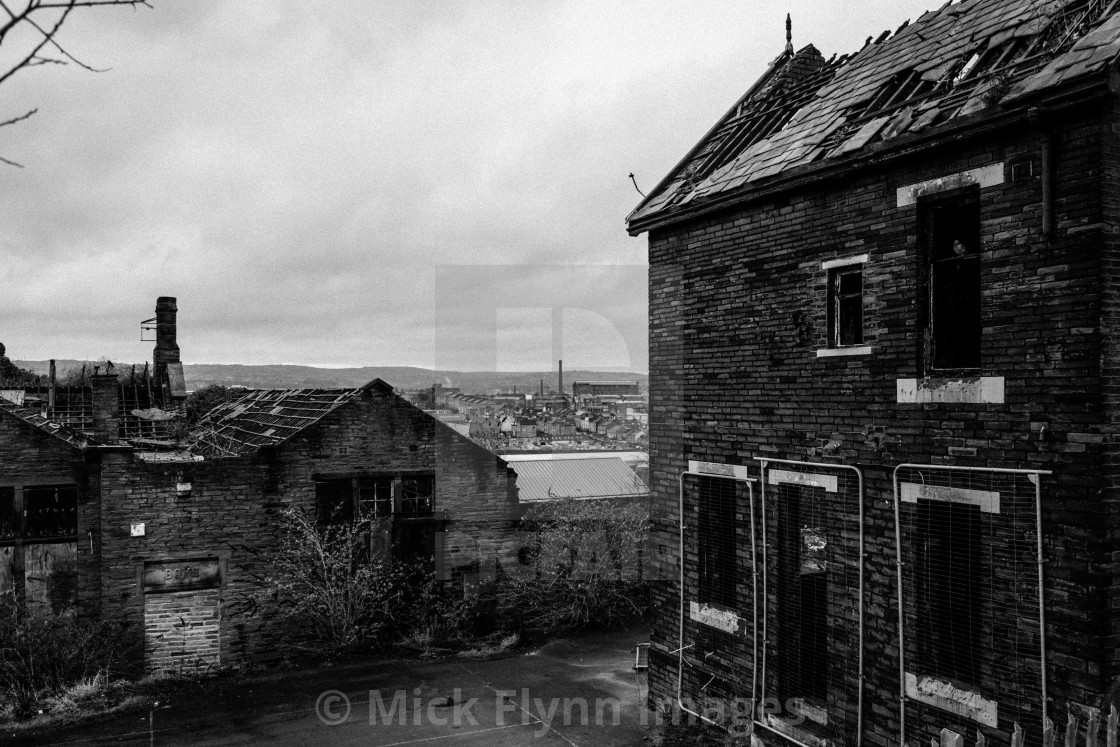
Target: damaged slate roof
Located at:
point(36, 419)
point(265, 418)
point(960, 60)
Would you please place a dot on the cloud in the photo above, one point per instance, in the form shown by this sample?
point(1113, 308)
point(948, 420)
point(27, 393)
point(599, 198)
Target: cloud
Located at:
point(297, 174)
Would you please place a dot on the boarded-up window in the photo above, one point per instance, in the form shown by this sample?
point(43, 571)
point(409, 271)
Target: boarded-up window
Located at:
point(802, 590)
point(716, 541)
point(950, 574)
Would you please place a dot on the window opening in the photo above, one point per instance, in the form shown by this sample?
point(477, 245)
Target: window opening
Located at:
point(416, 495)
point(50, 511)
point(846, 306)
point(951, 235)
point(334, 502)
point(9, 518)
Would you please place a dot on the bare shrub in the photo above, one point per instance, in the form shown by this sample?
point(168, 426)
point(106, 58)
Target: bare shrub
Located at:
point(585, 567)
point(44, 653)
point(325, 584)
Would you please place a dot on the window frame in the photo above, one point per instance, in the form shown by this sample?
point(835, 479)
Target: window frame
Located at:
point(834, 270)
point(383, 492)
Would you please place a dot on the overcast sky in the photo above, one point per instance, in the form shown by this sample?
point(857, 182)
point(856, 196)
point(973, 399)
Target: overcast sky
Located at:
point(440, 184)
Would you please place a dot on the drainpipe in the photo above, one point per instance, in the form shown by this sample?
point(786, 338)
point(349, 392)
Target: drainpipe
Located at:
point(1038, 120)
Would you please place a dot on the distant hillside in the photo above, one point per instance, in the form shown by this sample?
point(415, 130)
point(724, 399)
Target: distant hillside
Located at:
point(199, 375)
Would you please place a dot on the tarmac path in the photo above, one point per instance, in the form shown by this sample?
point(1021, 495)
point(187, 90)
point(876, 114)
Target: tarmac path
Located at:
point(573, 692)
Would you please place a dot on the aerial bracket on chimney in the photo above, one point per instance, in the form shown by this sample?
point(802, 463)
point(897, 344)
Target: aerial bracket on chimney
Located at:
point(148, 330)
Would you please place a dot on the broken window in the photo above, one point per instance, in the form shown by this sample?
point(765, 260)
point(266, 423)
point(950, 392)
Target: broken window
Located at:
point(375, 497)
point(949, 578)
point(716, 541)
point(416, 495)
point(845, 308)
point(334, 501)
point(50, 511)
point(951, 237)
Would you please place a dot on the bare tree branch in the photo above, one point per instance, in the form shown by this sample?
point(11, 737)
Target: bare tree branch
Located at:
point(45, 17)
point(35, 52)
point(54, 43)
point(20, 118)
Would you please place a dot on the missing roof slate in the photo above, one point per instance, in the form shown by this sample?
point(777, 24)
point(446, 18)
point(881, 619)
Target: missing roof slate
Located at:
point(959, 60)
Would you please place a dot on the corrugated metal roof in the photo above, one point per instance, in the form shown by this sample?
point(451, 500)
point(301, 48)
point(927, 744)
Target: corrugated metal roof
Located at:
point(552, 479)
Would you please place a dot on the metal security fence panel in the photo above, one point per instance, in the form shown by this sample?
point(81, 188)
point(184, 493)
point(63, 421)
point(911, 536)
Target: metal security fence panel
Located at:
point(811, 535)
point(716, 648)
point(969, 601)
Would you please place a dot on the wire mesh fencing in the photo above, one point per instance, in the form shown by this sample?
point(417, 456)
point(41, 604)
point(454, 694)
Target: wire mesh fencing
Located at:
point(969, 600)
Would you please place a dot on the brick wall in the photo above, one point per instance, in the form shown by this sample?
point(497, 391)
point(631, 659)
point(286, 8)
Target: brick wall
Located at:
point(226, 516)
point(29, 456)
point(232, 512)
point(737, 312)
point(1108, 532)
point(382, 434)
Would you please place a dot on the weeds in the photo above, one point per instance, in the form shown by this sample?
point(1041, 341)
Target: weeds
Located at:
point(585, 569)
point(44, 653)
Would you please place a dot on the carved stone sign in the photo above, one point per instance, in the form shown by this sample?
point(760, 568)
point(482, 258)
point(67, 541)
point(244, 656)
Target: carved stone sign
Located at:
point(174, 575)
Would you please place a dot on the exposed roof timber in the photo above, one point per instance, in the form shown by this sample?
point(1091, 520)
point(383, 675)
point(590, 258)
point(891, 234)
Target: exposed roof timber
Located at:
point(945, 63)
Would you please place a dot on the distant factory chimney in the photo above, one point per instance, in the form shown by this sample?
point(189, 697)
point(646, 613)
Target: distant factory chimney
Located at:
point(561, 384)
point(166, 365)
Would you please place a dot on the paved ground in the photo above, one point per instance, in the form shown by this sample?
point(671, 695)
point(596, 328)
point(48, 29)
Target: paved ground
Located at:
point(581, 691)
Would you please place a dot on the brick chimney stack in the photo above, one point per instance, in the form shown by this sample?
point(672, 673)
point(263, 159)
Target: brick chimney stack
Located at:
point(106, 415)
point(167, 349)
point(561, 382)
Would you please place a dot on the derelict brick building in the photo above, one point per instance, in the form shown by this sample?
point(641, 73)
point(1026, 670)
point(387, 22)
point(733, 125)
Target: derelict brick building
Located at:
point(172, 536)
point(884, 343)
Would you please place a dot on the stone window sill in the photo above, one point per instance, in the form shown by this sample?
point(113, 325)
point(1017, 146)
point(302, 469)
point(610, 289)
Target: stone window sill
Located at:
point(948, 697)
point(844, 352)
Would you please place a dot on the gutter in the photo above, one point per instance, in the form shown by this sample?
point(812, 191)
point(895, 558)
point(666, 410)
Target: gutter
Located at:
point(955, 132)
